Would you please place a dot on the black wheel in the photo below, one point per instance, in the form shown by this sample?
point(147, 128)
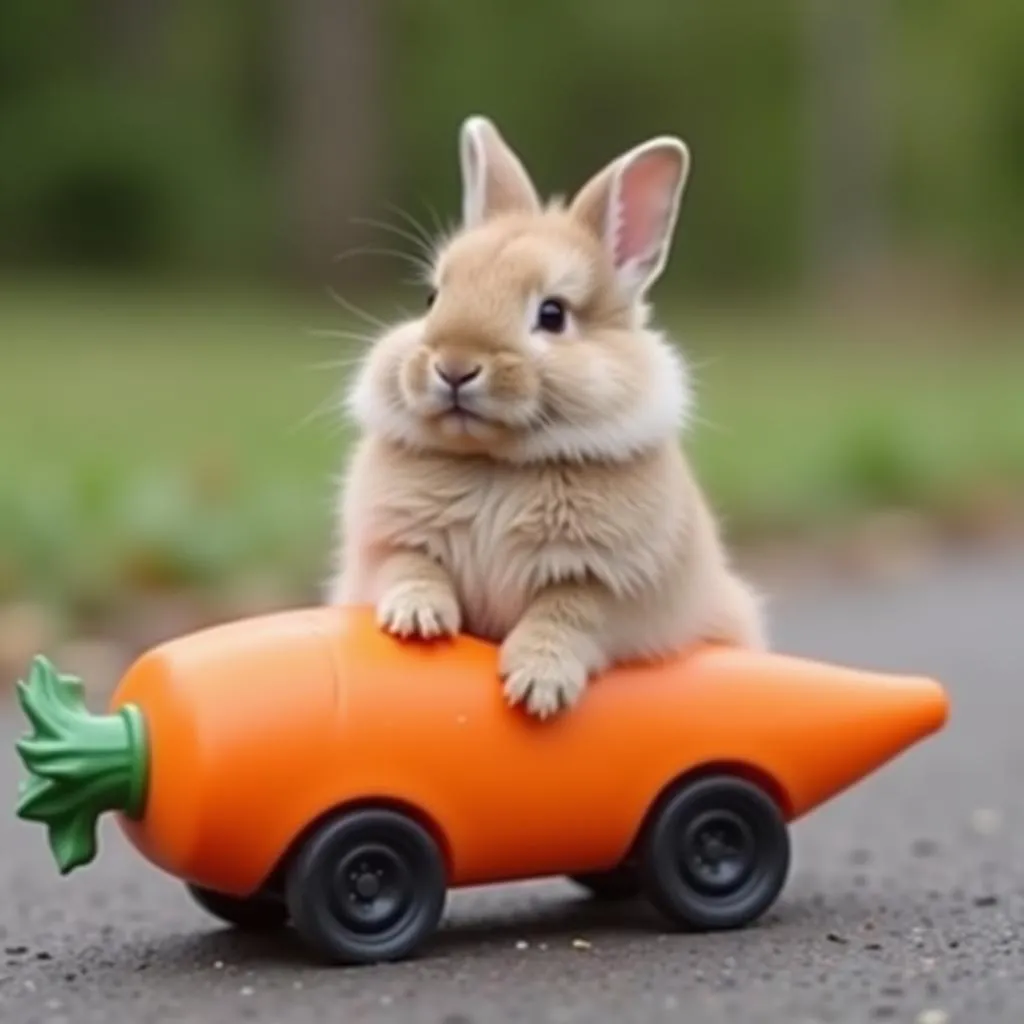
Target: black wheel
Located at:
point(621, 883)
point(257, 913)
point(716, 855)
point(368, 886)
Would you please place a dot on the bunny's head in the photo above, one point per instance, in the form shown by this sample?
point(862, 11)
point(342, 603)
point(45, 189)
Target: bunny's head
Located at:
point(534, 345)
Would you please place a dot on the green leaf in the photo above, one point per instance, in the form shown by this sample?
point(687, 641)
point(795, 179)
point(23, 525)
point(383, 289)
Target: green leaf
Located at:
point(80, 765)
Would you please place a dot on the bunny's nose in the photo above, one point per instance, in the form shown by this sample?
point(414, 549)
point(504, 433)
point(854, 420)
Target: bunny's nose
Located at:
point(456, 376)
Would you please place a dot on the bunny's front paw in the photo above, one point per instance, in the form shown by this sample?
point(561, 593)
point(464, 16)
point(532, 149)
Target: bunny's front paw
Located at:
point(419, 609)
point(543, 676)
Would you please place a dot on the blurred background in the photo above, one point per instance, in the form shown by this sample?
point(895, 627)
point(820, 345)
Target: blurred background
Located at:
point(203, 206)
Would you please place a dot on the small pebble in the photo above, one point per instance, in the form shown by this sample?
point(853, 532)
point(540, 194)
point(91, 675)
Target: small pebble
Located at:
point(986, 901)
point(986, 821)
point(933, 1016)
point(522, 944)
point(581, 944)
point(386, 1000)
point(30, 985)
point(218, 965)
point(16, 950)
point(246, 990)
point(297, 985)
point(833, 937)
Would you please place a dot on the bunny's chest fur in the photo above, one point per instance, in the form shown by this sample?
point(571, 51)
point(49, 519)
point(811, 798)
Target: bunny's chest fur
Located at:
point(504, 533)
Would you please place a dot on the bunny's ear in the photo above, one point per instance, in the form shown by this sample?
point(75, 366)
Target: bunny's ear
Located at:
point(493, 177)
point(632, 205)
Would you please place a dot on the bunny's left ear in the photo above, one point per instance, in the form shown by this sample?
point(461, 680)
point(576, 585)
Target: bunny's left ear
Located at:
point(632, 205)
point(493, 177)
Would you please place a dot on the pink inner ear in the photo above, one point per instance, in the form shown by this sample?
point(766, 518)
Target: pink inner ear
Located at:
point(645, 191)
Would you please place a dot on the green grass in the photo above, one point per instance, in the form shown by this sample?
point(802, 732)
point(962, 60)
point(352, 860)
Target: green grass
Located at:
point(167, 441)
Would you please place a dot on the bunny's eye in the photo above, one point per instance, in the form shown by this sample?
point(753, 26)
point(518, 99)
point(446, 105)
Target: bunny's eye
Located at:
point(431, 296)
point(551, 316)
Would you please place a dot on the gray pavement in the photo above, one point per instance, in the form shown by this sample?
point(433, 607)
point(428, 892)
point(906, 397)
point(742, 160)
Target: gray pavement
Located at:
point(905, 902)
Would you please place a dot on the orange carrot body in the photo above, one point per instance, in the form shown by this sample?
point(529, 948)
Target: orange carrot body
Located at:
point(257, 728)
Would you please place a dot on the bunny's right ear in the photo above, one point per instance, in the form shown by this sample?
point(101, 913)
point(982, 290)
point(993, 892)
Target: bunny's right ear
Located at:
point(632, 205)
point(493, 177)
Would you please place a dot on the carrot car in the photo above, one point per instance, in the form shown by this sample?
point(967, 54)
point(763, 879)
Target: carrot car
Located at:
point(306, 767)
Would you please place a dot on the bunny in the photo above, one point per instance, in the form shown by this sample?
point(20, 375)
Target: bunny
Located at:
point(519, 474)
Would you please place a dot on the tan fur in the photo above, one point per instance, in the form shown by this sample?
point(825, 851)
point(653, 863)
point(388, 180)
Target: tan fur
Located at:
point(559, 517)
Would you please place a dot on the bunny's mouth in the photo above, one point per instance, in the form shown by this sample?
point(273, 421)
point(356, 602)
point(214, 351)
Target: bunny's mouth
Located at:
point(462, 416)
point(457, 419)
point(459, 411)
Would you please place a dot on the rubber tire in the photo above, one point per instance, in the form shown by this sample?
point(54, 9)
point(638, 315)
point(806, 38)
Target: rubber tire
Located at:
point(621, 883)
point(744, 810)
point(255, 914)
point(407, 852)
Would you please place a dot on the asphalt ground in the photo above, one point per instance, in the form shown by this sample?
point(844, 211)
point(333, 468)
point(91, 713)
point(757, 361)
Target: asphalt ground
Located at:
point(905, 901)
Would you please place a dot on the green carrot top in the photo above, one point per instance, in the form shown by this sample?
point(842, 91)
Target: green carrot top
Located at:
point(80, 765)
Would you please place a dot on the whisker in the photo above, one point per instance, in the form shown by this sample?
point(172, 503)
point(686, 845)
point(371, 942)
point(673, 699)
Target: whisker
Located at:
point(417, 261)
point(694, 416)
point(703, 363)
point(424, 247)
point(442, 231)
point(330, 405)
point(334, 332)
point(335, 364)
point(423, 277)
point(417, 226)
point(402, 312)
point(355, 310)
point(699, 420)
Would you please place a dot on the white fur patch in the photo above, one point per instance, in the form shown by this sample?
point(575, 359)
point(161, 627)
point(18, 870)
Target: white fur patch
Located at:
point(376, 412)
point(660, 414)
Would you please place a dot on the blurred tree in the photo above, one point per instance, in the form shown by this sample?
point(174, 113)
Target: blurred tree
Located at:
point(131, 35)
point(334, 126)
point(247, 135)
point(846, 144)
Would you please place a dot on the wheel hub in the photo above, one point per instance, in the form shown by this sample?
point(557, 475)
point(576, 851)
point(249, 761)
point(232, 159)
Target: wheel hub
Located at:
point(372, 888)
point(718, 851)
point(367, 886)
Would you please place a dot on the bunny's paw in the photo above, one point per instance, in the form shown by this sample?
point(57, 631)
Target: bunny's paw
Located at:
point(543, 677)
point(419, 610)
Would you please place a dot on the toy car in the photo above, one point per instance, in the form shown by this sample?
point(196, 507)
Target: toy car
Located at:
point(305, 767)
